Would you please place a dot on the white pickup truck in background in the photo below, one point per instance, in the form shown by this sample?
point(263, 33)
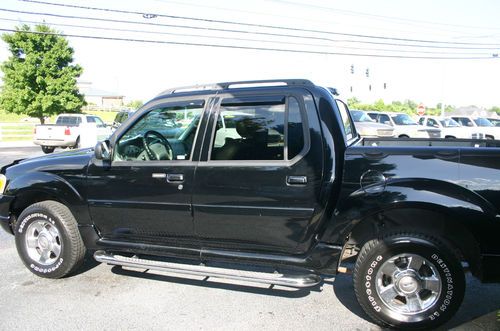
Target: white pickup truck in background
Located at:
point(71, 130)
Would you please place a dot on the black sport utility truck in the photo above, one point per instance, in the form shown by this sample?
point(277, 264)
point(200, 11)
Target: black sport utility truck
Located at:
point(271, 177)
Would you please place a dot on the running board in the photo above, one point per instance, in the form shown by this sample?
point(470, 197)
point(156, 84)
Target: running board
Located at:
point(302, 280)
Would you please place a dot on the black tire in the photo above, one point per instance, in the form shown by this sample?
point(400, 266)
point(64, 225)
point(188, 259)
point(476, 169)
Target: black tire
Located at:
point(404, 136)
point(378, 253)
point(48, 149)
point(55, 217)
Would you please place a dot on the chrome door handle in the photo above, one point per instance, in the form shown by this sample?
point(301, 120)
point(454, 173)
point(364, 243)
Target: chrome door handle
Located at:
point(175, 178)
point(296, 180)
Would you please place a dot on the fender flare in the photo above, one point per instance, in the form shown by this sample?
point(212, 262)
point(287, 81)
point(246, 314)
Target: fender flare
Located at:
point(28, 188)
point(465, 206)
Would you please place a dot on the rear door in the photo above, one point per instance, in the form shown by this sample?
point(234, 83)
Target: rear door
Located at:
point(258, 182)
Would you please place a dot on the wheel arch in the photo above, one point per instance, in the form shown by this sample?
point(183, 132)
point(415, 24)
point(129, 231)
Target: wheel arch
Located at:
point(436, 207)
point(40, 186)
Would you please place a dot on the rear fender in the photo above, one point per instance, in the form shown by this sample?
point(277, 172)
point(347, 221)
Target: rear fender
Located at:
point(463, 206)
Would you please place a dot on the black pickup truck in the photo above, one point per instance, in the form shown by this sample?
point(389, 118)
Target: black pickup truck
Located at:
point(267, 181)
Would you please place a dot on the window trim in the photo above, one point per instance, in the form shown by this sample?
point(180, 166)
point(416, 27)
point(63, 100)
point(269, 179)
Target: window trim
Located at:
point(253, 163)
point(158, 105)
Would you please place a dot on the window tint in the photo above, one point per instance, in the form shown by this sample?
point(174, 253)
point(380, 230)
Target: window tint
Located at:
point(346, 120)
point(68, 120)
point(421, 120)
point(383, 118)
point(432, 122)
point(90, 119)
point(295, 129)
point(250, 132)
point(162, 134)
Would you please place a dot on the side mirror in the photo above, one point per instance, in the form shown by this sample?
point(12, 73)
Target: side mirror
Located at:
point(102, 151)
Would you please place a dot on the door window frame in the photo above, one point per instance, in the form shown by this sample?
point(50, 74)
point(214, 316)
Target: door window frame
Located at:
point(214, 116)
point(208, 105)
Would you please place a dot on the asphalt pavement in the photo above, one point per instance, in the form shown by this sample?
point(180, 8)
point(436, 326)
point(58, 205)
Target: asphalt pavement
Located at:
point(101, 297)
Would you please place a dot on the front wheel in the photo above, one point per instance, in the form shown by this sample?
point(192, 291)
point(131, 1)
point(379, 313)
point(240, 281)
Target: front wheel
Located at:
point(48, 240)
point(409, 281)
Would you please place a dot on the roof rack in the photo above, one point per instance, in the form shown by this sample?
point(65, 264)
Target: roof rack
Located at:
point(239, 84)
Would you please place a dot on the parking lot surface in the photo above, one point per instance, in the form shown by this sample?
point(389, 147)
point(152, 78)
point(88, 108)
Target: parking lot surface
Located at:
point(102, 297)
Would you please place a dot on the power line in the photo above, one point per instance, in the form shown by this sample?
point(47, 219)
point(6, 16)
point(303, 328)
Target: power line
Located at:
point(229, 38)
point(403, 20)
point(249, 47)
point(302, 19)
point(207, 20)
point(245, 31)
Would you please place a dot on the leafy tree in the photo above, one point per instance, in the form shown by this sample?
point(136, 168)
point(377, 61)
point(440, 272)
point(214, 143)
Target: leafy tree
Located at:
point(135, 104)
point(39, 76)
point(496, 109)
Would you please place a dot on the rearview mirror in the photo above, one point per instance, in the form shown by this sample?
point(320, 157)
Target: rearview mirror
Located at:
point(102, 151)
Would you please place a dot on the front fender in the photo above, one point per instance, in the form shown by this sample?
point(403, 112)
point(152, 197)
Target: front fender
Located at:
point(36, 186)
point(462, 205)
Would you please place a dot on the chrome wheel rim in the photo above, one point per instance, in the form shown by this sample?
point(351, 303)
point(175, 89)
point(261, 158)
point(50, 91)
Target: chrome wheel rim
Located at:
point(43, 242)
point(408, 284)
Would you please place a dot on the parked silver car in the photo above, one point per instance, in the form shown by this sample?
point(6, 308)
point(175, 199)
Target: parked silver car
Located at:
point(368, 128)
point(404, 126)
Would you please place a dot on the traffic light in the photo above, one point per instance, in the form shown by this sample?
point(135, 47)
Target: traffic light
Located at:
point(352, 68)
point(367, 72)
point(385, 86)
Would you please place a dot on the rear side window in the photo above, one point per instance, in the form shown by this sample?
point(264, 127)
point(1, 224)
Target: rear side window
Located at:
point(68, 120)
point(257, 131)
point(90, 119)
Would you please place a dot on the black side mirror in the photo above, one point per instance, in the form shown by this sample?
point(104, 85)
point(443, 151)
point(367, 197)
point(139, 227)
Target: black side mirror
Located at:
point(102, 151)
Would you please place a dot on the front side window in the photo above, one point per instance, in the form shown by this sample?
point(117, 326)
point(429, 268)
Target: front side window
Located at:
point(257, 131)
point(163, 134)
point(432, 122)
point(403, 119)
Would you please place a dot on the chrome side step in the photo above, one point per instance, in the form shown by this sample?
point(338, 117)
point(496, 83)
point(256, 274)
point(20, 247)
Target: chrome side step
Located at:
point(303, 280)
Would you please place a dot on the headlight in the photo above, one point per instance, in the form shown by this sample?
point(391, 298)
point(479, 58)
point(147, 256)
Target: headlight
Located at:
point(3, 182)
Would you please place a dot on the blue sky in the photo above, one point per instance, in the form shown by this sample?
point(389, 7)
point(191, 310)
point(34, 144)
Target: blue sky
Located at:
point(141, 70)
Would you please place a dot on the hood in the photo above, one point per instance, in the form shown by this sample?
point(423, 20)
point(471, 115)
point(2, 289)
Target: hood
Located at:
point(72, 159)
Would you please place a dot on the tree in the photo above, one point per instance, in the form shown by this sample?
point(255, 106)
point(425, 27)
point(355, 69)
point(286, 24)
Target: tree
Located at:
point(39, 76)
point(135, 104)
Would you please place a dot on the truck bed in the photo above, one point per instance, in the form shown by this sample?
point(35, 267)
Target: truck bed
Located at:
point(418, 142)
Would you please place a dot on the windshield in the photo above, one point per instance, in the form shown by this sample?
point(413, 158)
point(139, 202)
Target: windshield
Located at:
point(483, 122)
point(449, 123)
point(403, 119)
point(359, 116)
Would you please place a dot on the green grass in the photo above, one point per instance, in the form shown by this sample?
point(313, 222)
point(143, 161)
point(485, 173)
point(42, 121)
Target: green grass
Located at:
point(25, 138)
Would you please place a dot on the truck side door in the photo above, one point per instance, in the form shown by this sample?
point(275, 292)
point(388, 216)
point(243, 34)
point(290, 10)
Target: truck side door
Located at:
point(144, 195)
point(259, 178)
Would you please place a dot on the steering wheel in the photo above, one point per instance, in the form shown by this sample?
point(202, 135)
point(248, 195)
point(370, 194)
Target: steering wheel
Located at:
point(155, 155)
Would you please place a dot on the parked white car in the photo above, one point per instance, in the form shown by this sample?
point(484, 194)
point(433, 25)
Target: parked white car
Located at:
point(450, 129)
point(368, 128)
point(71, 130)
point(404, 126)
point(484, 127)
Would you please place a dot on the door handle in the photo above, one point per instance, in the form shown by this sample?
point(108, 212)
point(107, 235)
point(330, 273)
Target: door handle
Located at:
point(296, 180)
point(175, 178)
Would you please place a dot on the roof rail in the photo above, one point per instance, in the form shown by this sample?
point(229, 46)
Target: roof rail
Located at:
point(239, 84)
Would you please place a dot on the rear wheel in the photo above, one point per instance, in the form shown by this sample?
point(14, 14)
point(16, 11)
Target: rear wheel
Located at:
point(48, 149)
point(409, 281)
point(48, 240)
point(403, 136)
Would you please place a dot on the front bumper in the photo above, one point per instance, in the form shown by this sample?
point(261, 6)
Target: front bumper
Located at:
point(5, 202)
